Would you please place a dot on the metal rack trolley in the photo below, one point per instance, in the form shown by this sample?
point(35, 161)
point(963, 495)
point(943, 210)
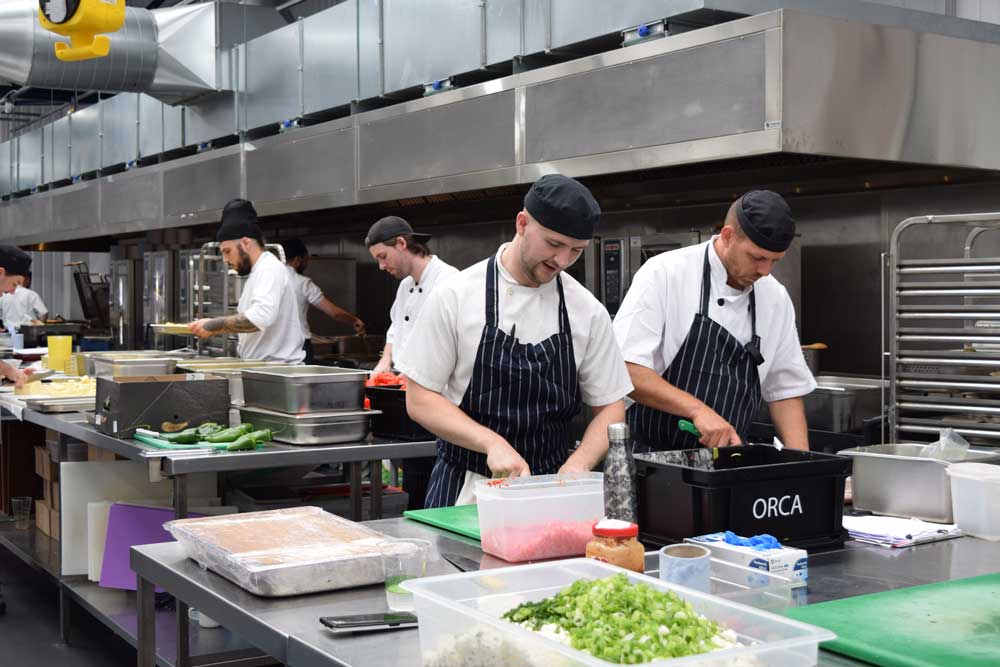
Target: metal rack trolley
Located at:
point(944, 335)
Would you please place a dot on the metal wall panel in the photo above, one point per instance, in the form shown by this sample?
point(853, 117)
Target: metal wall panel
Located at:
point(211, 118)
point(427, 40)
point(60, 150)
point(575, 21)
point(5, 166)
point(273, 77)
point(76, 207)
point(134, 198)
point(916, 80)
point(86, 128)
point(503, 30)
point(30, 146)
point(368, 49)
point(330, 58)
point(303, 164)
point(150, 126)
point(467, 136)
point(709, 91)
point(203, 183)
point(47, 161)
point(173, 127)
point(119, 132)
point(31, 219)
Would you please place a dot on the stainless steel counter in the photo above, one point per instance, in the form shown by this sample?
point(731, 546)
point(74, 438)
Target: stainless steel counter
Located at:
point(289, 630)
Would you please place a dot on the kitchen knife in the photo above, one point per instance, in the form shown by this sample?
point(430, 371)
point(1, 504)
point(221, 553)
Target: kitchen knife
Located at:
point(461, 562)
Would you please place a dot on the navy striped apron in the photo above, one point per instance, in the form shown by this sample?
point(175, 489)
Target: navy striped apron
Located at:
point(714, 367)
point(526, 393)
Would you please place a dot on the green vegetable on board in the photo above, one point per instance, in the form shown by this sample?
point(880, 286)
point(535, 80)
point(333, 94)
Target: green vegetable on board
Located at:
point(209, 428)
point(250, 440)
point(185, 437)
point(230, 434)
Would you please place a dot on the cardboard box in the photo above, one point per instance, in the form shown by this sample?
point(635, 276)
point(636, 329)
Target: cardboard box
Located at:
point(40, 455)
point(47, 492)
point(785, 562)
point(55, 529)
point(55, 504)
point(99, 454)
point(43, 517)
point(159, 401)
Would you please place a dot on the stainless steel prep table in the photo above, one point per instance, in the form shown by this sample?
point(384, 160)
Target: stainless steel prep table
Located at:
point(177, 466)
point(288, 629)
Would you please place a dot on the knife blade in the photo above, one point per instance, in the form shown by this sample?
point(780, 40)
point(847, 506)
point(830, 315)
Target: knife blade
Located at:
point(461, 562)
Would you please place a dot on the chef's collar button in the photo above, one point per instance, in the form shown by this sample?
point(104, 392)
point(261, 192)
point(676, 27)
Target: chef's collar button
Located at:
point(421, 290)
point(411, 290)
point(407, 318)
point(721, 301)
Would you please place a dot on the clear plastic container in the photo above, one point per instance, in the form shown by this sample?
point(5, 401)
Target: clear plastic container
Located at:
point(975, 497)
point(460, 619)
point(539, 517)
point(736, 583)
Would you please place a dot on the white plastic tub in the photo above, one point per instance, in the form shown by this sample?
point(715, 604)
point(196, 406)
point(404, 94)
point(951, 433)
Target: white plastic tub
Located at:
point(461, 614)
point(975, 497)
point(539, 517)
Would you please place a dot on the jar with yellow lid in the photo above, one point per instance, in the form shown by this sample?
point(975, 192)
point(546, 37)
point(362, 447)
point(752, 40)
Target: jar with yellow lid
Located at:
point(615, 542)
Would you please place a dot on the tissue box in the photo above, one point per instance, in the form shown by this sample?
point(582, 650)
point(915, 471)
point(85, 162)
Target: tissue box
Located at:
point(793, 564)
point(159, 402)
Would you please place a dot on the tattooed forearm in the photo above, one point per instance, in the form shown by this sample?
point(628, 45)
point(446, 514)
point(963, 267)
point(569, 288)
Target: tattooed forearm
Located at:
point(231, 324)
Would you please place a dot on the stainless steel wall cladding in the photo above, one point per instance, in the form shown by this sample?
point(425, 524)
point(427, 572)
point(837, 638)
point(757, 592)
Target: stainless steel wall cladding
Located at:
point(201, 183)
point(444, 140)
point(29, 162)
point(274, 76)
point(27, 53)
point(330, 58)
point(709, 91)
point(85, 156)
point(75, 207)
point(119, 129)
point(132, 200)
point(320, 158)
point(5, 166)
point(59, 149)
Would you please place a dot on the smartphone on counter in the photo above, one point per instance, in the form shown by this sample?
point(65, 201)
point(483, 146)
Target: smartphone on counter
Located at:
point(390, 620)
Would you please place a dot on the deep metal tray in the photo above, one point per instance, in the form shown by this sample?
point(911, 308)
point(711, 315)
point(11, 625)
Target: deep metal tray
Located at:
point(304, 389)
point(321, 428)
point(896, 481)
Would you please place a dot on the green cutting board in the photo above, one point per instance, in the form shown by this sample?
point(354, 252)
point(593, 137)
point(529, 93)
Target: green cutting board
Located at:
point(461, 519)
point(948, 624)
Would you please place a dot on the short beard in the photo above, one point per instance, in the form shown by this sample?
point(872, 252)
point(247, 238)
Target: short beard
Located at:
point(245, 265)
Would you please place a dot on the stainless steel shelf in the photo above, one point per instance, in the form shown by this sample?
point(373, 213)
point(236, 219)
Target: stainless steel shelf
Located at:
point(32, 546)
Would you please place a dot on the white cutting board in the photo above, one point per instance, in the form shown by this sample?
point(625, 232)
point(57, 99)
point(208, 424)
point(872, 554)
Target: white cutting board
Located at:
point(87, 482)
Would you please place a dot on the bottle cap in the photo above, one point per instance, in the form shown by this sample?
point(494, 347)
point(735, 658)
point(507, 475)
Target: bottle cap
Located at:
point(615, 528)
point(618, 431)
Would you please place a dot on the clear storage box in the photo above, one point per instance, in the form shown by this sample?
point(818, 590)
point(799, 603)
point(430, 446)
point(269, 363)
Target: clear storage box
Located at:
point(461, 624)
point(975, 496)
point(284, 552)
point(539, 517)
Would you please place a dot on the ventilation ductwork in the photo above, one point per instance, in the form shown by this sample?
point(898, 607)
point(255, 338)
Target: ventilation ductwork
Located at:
point(176, 54)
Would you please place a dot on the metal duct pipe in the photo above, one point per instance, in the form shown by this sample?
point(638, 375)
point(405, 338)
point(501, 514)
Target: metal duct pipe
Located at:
point(170, 54)
point(27, 53)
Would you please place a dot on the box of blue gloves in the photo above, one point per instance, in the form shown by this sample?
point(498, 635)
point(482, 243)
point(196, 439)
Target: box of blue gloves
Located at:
point(762, 552)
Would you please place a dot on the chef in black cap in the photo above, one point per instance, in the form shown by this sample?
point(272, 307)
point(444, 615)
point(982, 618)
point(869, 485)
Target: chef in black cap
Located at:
point(707, 334)
point(15, 265)
point(267, 318)
point(504, 354)
point(403, 254)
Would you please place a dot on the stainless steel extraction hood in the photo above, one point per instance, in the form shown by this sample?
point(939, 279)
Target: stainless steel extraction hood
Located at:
point(784, 82)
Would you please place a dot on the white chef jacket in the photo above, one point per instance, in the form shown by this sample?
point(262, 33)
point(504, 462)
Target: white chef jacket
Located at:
point(665, 295)
point(268, 300)
point(410, 299)
point(307, 293)
point(21, 307)
point(441, 352)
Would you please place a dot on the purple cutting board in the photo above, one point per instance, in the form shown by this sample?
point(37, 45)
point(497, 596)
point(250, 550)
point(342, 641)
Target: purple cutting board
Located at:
point(129, 526)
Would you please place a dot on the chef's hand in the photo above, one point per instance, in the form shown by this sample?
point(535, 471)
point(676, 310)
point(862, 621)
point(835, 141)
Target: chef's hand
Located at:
point(715, 431)
point(574, 467)
point(384, 365)
point(198, 328)
point(18, 377)
point(359, 326)
point(504, 461)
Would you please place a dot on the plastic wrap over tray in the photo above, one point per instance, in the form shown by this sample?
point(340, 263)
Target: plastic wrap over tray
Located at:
point(284, 552)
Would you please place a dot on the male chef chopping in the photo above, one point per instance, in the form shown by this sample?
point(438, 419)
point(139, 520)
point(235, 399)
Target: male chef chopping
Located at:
point(267, 318)
point(403, 254)
point(707, 333)
point(505, 352)
point(15, 265)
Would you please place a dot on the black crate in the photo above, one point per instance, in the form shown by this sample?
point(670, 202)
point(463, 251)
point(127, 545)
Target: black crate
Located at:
point(394, 422)
point(796, 496)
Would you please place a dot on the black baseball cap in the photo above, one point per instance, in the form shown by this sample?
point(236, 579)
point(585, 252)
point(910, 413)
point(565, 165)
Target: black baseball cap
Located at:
point(239, 219)
point(390, 227)
point(766, 219)
point(14, 261)
point(564, 205)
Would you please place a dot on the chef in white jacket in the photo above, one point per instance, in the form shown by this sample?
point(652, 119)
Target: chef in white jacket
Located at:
point(708, 334)
point(22, 306)
point(267, 319)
